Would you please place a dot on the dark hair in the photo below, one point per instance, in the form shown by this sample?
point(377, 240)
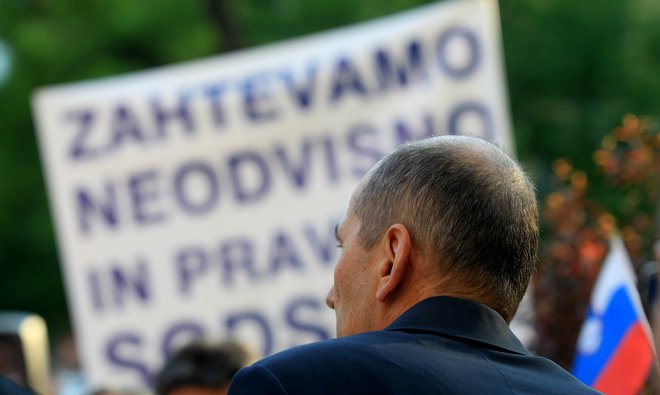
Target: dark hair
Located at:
point(201, 364)
point(467, 205)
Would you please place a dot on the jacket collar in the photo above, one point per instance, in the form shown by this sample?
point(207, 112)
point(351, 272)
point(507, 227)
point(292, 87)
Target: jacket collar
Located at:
point(459, 318)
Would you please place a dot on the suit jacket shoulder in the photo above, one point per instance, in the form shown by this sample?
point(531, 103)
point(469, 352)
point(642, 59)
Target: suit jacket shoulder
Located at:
point(442, 347)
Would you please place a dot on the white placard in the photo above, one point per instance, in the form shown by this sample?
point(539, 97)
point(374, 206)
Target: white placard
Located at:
point(201, 198)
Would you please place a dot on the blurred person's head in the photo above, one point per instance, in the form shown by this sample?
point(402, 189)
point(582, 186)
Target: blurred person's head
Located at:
point(115, 391)
point(449, 215)
point(201, 368)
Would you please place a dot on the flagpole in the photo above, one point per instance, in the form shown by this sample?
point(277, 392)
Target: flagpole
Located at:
point(654, 310)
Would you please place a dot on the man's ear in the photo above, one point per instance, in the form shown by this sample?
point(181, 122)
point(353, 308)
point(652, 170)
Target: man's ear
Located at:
point(396, 262)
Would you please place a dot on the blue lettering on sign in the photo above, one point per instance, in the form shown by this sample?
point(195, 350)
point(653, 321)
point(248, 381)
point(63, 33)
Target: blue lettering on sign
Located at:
point(237, 255)
point(215, 94)
point(204, 172)
point(234, 323)
point(331, 159)
point(294, 320)
point(191, 263)
point(88, 206)
point(296, 172)
point(302, 93)
point(128, 285)
point(362, 141)
point(404, 133)
point(259, 104)
point(124, 127)
point(118, 346)
point(235, 258)
point(126, 350)
point(116, 285)
point(172, 339)
point(152, 197)
point(262, 97)
point(243, 161)
point(346, 78)
point(470, 40)
point(79, 148)
point(180, 113)
point(95, 289)
point(143, 189)
point(324, 248)
point(413, 68)
point(475, 109)
point(283, 254)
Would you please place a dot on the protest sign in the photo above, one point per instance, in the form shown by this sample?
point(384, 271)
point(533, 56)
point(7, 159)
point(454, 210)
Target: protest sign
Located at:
point(200, 199)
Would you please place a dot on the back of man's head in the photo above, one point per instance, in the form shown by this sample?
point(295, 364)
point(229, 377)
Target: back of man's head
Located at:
point(469, 208)
point(202, 368)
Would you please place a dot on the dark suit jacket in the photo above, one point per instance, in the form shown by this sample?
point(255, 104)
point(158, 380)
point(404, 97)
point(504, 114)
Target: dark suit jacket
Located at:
point(442, 345)
point(8, 387)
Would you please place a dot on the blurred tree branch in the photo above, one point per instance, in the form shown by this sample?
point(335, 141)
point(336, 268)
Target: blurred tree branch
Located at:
point(578, 226)
point(226, 24)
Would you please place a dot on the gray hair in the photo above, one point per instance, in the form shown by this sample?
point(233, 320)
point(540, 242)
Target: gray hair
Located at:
point(467, 205)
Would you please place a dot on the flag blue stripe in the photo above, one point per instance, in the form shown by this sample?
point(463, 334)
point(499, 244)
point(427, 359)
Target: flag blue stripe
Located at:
point(616, 320)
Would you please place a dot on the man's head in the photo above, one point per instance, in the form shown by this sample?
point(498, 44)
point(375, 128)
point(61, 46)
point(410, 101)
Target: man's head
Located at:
point(201, 368)
point(456, 213)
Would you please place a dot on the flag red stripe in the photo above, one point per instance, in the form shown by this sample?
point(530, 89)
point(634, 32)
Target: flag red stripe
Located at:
point(627, 370)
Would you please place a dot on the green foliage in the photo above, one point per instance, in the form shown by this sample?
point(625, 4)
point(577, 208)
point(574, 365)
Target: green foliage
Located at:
point(56, 42)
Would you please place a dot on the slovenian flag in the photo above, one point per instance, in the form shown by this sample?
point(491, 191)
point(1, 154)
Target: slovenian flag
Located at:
point(615, 351)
